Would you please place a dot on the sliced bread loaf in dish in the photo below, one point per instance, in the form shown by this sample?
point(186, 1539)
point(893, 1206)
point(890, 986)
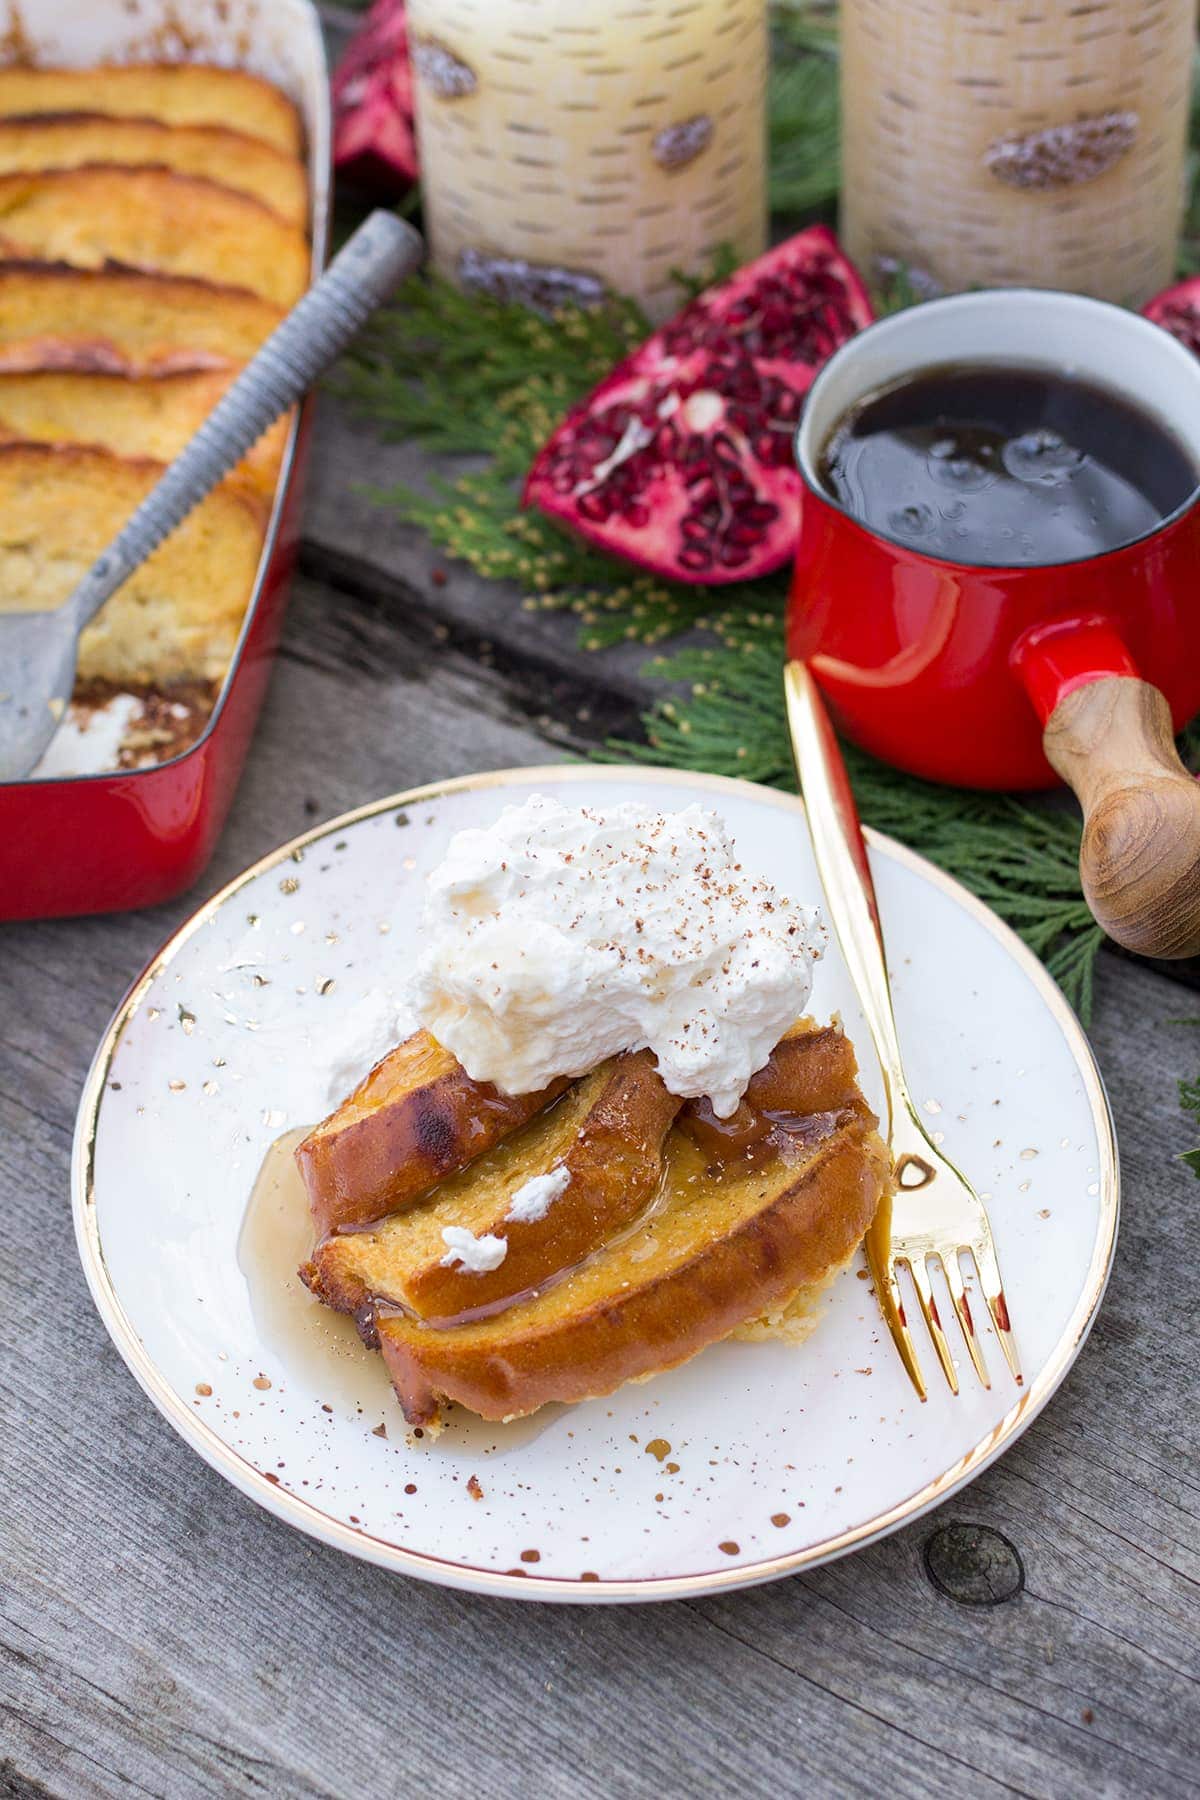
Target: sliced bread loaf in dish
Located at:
point(178, 616)
point(125, 322)
point(174, 93)
point(153, 219)
point(70, 140)
point(152, 416)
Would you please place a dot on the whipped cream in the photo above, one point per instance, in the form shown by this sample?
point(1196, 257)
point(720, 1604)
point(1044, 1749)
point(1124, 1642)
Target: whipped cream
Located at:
point(349, 1050)
point(478, 1255)
point(533, 1200)
point(89, 739)
point(564, 935)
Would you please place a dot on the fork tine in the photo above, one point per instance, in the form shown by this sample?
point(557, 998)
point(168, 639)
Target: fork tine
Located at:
point(920, 1274)
point(887, 1292)
point(984, 1252)
point(962, 1306)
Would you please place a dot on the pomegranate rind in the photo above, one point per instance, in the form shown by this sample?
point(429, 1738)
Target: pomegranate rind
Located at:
point(374, 142)
point(1177, 310)
point(681, 460)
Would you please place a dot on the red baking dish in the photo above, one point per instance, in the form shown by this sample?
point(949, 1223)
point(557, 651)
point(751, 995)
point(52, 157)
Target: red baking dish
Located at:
point(105, 842)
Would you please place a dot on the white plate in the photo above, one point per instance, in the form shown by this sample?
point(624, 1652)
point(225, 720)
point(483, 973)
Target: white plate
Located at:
point(778, 1457)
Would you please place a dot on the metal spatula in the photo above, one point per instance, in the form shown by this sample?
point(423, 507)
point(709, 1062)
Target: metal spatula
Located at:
point(38, 649)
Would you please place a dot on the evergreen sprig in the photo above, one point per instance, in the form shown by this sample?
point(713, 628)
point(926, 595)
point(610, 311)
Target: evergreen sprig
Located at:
point(477, 377)
point(1189, 1099)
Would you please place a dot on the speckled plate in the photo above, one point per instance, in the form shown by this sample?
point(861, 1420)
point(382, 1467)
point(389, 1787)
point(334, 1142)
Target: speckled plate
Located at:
point(751, 1462)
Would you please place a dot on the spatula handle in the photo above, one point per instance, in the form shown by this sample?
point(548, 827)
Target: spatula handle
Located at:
point(365, 272)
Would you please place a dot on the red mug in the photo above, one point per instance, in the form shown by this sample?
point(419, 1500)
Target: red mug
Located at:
point(1012, 677)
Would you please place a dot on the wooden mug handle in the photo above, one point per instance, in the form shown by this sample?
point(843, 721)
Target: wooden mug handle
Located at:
point(1111, 740)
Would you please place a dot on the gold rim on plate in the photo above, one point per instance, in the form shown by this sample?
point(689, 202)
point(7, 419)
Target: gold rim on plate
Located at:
point(306, 1516)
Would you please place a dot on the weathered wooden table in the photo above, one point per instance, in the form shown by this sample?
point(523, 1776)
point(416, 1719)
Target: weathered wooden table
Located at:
point(160, 1635)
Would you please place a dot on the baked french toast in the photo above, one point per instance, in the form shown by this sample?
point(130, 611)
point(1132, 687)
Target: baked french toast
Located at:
point(173, 93)
point(179, 613)
point(138, 417)
point(71, 140)
point(416, 1118)
point(125, 321)
point(596, 1157)
point(146, 218)
point(705, 1226)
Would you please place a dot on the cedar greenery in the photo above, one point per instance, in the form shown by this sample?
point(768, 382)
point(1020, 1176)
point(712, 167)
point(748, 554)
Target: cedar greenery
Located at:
point(475, 376)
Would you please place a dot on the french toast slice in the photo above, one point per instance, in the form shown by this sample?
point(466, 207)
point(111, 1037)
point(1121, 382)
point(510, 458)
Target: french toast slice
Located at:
point(152, 416)
point(125, 321)
point(153, 219)
point(173, 93)
point(414, 1120)
point(179, 613)
point(68, 140)
point(722, 1227)
point(600, 1145)
point(721, 1249)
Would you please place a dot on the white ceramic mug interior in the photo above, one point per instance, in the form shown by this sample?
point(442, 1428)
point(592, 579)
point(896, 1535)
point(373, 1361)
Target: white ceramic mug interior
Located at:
point(1016, 327)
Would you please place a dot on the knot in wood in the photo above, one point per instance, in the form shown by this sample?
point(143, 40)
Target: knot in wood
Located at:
point(973, 1564)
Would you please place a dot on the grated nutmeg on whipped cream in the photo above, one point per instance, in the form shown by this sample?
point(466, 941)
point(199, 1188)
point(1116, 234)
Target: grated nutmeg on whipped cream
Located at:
point(560, 936)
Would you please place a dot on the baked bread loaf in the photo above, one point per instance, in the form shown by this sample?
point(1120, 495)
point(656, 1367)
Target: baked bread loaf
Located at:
point(175, 93)
point(154, 416)
point(740, 1225)
point(69, 140)
point(414, 1120)
point(153, 219)
point(595, 1158)
point(179, 614)
point(124, 322)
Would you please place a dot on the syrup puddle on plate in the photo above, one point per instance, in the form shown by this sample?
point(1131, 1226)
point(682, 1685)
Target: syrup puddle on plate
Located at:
point(321, 1349)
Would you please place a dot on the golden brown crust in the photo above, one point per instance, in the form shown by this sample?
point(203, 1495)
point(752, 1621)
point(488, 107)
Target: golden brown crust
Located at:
point(125, 321)
point(608, 1141)
point(510, 1366)
point(153, 219)
point(67, 140)
point(151, 416)
point(173, 93)
point(416, 1119)
point(179, 613)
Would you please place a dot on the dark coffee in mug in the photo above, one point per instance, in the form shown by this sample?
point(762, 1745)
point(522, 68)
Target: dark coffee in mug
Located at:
point(996, 466)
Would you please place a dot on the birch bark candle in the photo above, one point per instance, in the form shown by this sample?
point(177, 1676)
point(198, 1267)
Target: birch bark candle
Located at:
point(1001, 142)
point(570, 145)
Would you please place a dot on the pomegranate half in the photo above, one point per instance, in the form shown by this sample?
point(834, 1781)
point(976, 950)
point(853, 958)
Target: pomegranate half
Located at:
point(681, 460)
point(374, 144)
point(1177, 310)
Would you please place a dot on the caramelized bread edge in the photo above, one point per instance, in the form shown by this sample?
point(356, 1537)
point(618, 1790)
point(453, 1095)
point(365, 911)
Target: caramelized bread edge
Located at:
point(357, 1173)
point(812, 1225)
point(614, 1164)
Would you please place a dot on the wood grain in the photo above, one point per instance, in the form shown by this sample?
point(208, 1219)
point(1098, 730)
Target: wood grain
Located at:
point(1140, 857)
point(159, 1635)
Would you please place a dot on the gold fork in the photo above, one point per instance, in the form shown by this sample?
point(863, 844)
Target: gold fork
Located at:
point(935, 1215)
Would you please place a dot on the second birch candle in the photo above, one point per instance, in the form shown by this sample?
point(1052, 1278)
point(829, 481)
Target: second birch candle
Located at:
point(991, 143)
point(570, 145)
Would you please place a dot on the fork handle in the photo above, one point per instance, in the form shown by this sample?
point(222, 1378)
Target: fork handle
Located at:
point(365, 271)
point(845, 870)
